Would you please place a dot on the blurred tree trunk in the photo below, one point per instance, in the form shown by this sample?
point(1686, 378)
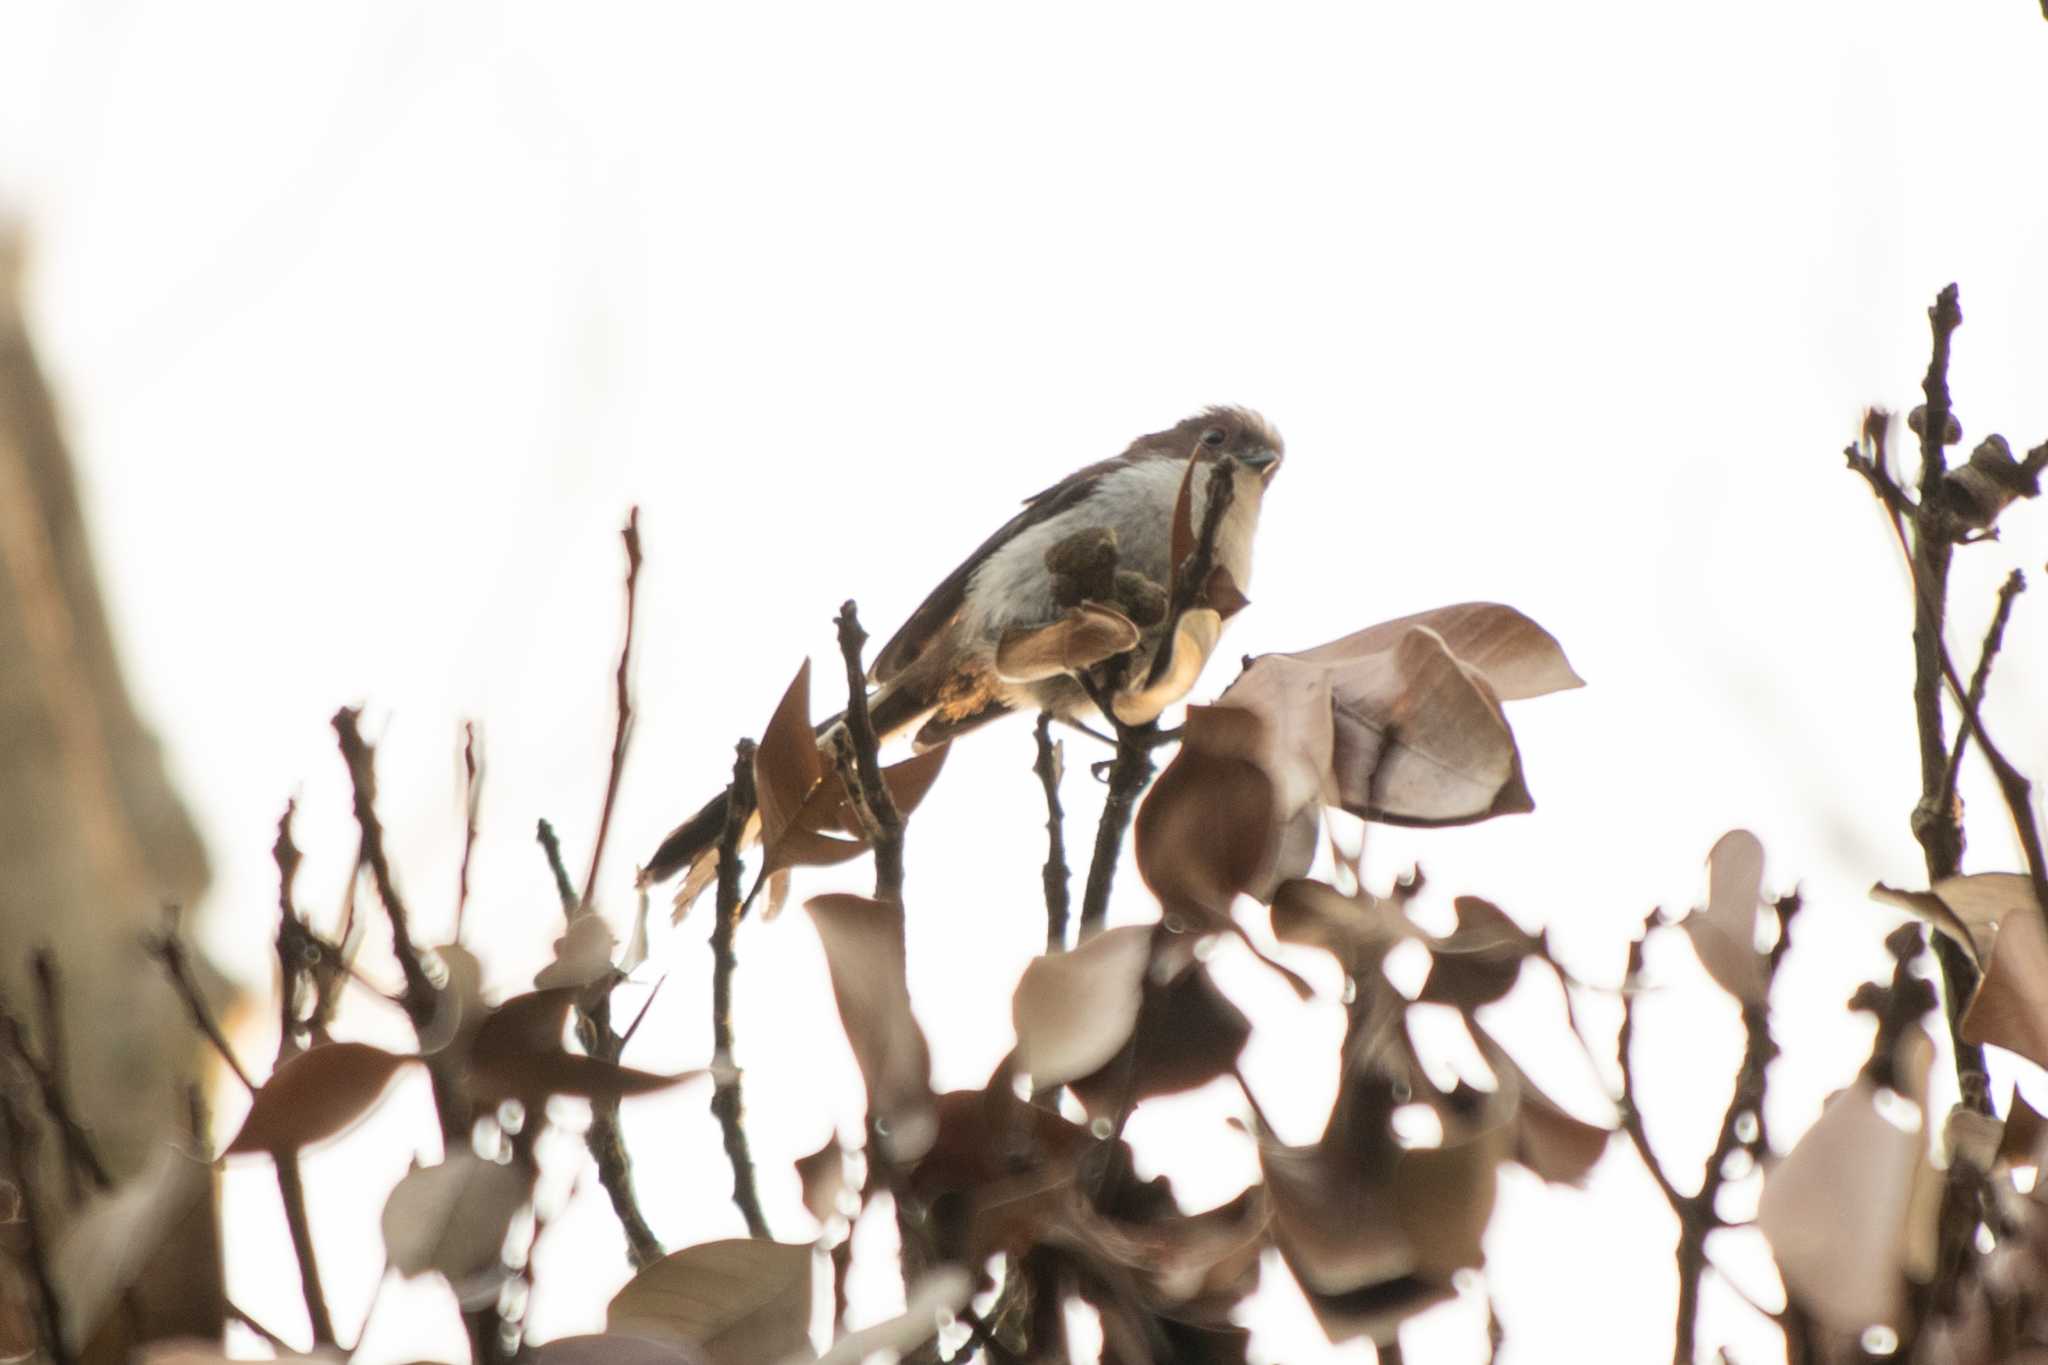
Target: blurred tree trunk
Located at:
point(93, 840)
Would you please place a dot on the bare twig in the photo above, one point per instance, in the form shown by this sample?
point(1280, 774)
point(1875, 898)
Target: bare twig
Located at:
point(1741, 1130)
point(551, 846)
point(872, 794)
point(1049, 766)
point(2012, 784)
point(48, 1072)
point(725, 1095)
point(472, 803)
point(631, 535)
point(169, 950)
point(608, 1147)
point(1994, 637)
point(1130, 772)
point(360, 757)
point(19, 1133)
point(293, 1188)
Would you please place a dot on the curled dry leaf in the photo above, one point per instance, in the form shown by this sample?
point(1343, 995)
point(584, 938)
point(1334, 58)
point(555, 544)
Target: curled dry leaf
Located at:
point(2010, 1008)
point(452, 1218)
point(1207, 830)
point(112, 1238)
point(519, 1054)
point(741, 1301)
point(583, 953)
point(315, 1095)
point(1836, 1213)
point(864, 953)
point(1416, 732)
point(1074, 1011)
point(1724, 934)
point(1088, 634)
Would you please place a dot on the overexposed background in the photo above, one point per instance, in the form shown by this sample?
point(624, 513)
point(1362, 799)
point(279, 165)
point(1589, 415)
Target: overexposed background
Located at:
point(370, 321)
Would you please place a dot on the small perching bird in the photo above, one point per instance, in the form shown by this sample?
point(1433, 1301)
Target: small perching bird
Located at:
point(1081, 575)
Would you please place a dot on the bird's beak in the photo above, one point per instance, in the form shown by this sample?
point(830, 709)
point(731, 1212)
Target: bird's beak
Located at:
point(1261, 462)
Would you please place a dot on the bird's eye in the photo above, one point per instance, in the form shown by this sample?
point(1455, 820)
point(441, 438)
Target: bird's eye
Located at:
point(1213, 436)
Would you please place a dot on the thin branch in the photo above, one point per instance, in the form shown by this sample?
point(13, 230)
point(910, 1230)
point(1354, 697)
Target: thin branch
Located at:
point(360, 757)
point(872, 794)
point(1130, 773)
point(472, 803)
point(169, 950)
point(725, 1095)
point(1050, 766)
point(1994, 637)
point(2012, 784)
point(48, 1072)
point(34, 1249)
point(631, 535)
point(293, 1188)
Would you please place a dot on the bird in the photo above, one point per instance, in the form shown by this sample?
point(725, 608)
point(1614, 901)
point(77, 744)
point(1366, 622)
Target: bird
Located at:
point(1094, 549)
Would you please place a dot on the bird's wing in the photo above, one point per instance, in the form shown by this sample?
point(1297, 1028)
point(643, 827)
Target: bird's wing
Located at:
point(930, 620)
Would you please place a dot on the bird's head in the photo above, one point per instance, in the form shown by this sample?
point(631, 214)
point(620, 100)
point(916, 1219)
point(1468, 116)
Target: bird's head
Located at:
point(1237, 433)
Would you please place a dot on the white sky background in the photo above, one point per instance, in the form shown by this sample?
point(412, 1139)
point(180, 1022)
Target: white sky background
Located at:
point(370, 321)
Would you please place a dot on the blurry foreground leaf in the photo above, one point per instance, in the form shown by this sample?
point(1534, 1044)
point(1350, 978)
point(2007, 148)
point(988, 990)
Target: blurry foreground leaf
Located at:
point(863, 942)
point(317, 1094)
point(742, 1301)
point(452, 1218)
point(1724, 934)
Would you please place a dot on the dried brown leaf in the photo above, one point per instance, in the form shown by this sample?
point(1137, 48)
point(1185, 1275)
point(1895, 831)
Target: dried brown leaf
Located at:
point(863, 942)
point(1402, 721)
point(1074, 1011)
point(1724, 934)
point(452, 1218)
point(1517, 657)
point(1835, 1212)
point(1088, 634)
point(2010, 1008)
point(787, 765)
point(1934, 910)
point(316, 1095)
point(987, 1135)
point(1208, 829)
point(519, 1054)
point(743, 1301)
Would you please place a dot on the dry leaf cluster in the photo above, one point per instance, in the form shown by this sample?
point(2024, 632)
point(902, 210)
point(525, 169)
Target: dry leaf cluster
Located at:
point(1892, 1234)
